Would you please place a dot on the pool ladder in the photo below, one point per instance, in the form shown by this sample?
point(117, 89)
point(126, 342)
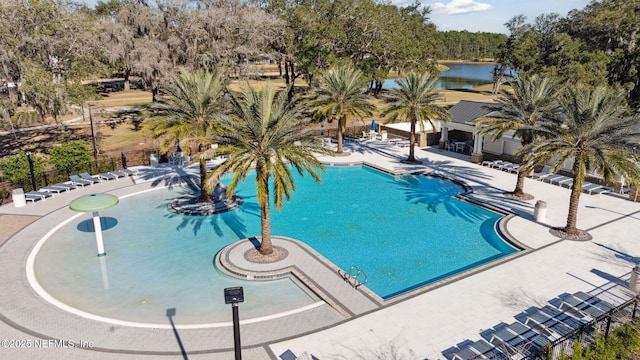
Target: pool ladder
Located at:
point(355, 277)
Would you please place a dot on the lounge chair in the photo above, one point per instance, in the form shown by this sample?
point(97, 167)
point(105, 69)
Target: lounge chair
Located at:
point(65, 186)
point(593, 301)
point(504, 165)
point(118, 174)
point(553, 178)
point(106, 176)
point(496, 163)
point(53, 189)
point(88, 177)
point(128, 172)
point(511, 168)
point(565, 181)
point(581, 305)
point(77, 180)
point(34, 196)
point(591, 188)
point(520, 338)
point(544, 173)
point(288, 355)
point(547, 321)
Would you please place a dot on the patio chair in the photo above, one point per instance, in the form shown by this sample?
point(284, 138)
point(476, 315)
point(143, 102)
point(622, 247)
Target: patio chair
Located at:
point(519, 338)
point(548, 322)
point(544, 173)
point(288, 355)
point(591, 188)
point(593, 301)
point(77, 180)
point(503, 165)
point(496, 163)
point(449, 146)
point(128, 171)
point(53, 189)
point(88, 177)
point(554, 178)
point(118, 174)
point(106, 176)
point(65, 186)
point(511, 168)
point(565, 181)
point(579, 304)
point(34, 196)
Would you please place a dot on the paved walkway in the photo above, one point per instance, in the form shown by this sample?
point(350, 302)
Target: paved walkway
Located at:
point(418, 326)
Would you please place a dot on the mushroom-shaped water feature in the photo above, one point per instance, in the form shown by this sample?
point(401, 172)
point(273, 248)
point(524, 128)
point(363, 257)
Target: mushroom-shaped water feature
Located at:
point(94, 203)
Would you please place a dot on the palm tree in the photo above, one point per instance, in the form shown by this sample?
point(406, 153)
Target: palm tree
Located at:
point(342, 93)
point(595, 132)
point(414, 100)
point(265, 131)
point(187, 114)
point(521, 110)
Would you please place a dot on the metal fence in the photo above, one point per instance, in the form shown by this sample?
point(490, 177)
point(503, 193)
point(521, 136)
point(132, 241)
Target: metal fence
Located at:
point(104, 164)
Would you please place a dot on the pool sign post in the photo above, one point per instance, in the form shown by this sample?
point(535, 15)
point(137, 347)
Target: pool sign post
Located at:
point(234, 296)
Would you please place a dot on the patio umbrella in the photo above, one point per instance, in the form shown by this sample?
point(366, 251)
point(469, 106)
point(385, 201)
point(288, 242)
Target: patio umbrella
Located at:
point(373, 125)
point(94, 203)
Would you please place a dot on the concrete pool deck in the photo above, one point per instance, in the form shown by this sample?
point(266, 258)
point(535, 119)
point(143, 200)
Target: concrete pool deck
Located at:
point(419, 326)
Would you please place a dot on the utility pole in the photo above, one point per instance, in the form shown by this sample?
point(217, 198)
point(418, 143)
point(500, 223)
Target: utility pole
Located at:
point(93, 138)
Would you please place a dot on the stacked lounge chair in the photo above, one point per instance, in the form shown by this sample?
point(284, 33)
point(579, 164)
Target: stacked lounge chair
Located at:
point(534, 329)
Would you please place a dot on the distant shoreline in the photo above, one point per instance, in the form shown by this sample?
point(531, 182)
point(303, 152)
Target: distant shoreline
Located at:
point(479, 61)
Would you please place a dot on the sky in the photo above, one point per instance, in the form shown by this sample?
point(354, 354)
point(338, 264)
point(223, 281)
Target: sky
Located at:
point(490, 15)
point(482, 15)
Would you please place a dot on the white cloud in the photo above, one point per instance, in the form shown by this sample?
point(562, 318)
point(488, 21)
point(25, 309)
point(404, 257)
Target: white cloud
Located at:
point(459, 7)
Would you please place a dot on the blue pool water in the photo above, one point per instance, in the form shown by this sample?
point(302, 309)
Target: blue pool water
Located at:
point(404, 232)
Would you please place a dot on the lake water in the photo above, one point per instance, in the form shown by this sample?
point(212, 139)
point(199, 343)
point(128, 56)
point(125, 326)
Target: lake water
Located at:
point(459, 76)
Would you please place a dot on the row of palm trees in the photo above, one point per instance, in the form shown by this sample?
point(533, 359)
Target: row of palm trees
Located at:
point(592, 128)
point(264, 131)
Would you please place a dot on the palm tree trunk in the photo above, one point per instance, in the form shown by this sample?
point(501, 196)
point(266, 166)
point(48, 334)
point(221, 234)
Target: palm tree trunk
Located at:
point(574, 201)
point(204, 194)
point(412, 140)
point(340, 126)
point(266, 247)
point(519, 190)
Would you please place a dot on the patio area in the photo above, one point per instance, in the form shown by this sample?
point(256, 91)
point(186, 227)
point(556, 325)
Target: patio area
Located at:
point(419, 326)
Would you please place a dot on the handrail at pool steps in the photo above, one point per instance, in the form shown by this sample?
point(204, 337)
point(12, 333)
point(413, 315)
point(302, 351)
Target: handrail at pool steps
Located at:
point(353, 276)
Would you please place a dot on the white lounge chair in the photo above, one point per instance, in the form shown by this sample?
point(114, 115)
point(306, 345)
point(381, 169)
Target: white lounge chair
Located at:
point(88, 177)
point(77, 180)
point(566, 181)
point(106, 176)
point(53, 189)
point(553, 178)
point(65, 186)
point(34, 196)
point(504, 165)
point(544, 173)
point(117, 173)
point(128, 172)
point(511, 168)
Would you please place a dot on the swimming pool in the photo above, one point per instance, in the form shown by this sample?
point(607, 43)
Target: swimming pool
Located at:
point(404, 232)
